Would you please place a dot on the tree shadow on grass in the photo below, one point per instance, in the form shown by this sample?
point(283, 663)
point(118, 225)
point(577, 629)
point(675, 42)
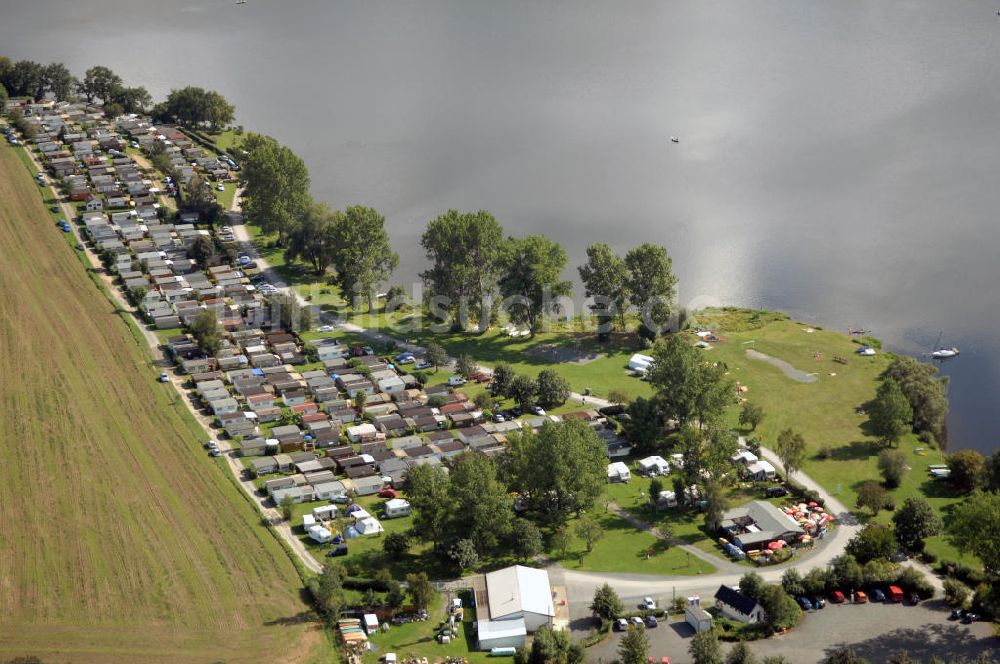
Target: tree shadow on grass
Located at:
point(855, 450)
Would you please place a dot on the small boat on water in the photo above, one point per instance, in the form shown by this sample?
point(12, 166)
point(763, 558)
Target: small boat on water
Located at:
point(674, 139)
point(942, 353)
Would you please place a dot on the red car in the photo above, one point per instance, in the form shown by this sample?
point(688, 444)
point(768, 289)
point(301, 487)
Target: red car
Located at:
point(387, 493)
point(837, 597)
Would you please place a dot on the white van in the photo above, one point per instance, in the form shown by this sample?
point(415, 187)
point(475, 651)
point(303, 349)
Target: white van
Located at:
point(455, 381)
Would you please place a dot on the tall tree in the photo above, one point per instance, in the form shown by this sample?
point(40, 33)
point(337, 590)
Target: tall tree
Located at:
point(202, 249)
point(925, 390)
point(275, 185)
point(915, 521)
point(205, 328)
point(503, 375)
point(791, 449)
point(705, 649)
point(550, 646)
point(634, 646)
point(523, 391)
point(436, 355)
point(890, 412)
point(780, 610)
point(99, 83)
point(872, 542)
point(59, 81)
point(421, 590)
point(194, 107)
point(553, 389)
point(644, 427)
point(427, 489)
point(531, 283)
point(363, 254)
point(526, 539)
point(974, 526)
point(132, 100)
point(751, 415)
point(558, 471)
point(589, 531)
point(466, 254)
point(313, 239)
point(606, 605)
point(652, 285)
point(892, 464)
point(687, 385)
point(968, 470)
point(717, 504)
point(871, 495)
point(27, 78)
point(487, 508)
point(605, 278)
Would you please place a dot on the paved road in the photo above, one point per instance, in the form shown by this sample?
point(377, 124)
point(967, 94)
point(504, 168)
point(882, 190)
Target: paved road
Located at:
point(871, 630)
point(177, 381)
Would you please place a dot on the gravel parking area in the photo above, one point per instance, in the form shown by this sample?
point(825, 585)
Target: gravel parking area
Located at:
point(874, 631)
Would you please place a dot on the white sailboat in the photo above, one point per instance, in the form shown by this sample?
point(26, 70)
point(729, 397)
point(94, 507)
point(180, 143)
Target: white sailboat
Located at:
point(942, 353)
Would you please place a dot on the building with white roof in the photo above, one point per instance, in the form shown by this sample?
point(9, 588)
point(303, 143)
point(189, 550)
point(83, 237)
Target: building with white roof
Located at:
point(516, 601)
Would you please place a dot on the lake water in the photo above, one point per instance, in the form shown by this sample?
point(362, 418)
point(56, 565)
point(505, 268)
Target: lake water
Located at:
point(837, 160)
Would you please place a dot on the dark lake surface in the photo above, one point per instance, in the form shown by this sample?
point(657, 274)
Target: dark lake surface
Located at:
point(837, 160)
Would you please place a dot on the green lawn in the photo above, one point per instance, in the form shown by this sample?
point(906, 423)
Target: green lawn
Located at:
point(824, 411)
point(226, 196)
point(624, 549)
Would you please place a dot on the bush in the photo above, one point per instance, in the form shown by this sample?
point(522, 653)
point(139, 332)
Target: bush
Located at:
point(825, 452)
point(956, 593)
point(912, 580)
point(928, 558)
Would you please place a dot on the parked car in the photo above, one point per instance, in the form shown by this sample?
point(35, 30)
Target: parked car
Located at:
point(538, 410)
point(818, 602)
point(648, 604)
point(79, 246)
point(325, 328)
point(914, 599)
point(387, 493)
point(164, 378)
point(837, 597)
point(498, 417)
point(338, 551)
point(896, 593)
point(651, 621)
point(860, 597)
point(54, 208)
point(244, 259)
point(214, 453)
point(775, 492)
point(455, 381)
point(223, 229)
point(368, 350)
point(209, 444)
point(957, 614)
point(637, 621)
point(621, 625)
point(877, 595)
point(219, 187)
point(423, 364)
point(804, 602)
point(969, 618)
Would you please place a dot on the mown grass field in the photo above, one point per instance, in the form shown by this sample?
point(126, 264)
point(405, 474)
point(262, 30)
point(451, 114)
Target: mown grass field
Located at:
point(121, 542)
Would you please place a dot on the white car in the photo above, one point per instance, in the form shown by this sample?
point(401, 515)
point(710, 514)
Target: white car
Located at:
point(219, 187)
point(648, 604)
point(243, 260)
point(454, 381)
point(325, 328)
point(226, 229)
